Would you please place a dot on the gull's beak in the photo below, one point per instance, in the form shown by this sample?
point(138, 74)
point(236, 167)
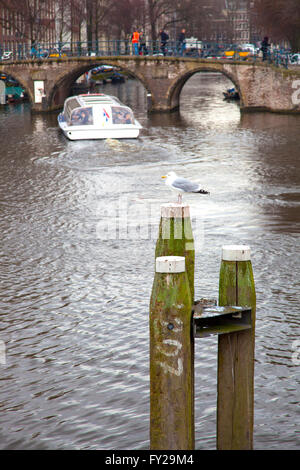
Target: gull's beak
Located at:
point(163, 176)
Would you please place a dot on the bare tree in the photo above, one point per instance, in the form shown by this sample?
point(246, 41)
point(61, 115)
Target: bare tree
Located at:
point(96, 13)
point(77, 19)
point(69, 18)
point(63, 18)
point(280, 19)
point(199, 18)
point(206, 20)
point(27, 20)
point(165, 13)
point(125, 16)
point(101, 12)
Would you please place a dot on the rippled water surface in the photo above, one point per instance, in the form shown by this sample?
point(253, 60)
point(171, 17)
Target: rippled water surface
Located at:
point(78, 228)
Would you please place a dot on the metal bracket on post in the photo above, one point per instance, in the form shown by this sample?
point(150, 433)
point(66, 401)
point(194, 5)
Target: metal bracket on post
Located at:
point(210, 320)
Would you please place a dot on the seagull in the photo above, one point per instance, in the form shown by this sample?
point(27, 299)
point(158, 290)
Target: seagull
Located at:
point(182, 185)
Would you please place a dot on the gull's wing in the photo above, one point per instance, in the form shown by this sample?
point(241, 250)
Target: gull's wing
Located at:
point(185, 185)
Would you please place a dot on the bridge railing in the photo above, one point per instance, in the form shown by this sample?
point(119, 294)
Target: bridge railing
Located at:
point(173, 48)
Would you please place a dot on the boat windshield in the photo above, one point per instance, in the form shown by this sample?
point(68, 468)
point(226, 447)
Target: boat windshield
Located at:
point(82, 116)
point(122, 115)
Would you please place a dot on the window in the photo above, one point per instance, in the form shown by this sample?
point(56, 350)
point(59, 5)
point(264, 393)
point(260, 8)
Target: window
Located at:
point(122, 115)
point(70, 105)
point(82, 117)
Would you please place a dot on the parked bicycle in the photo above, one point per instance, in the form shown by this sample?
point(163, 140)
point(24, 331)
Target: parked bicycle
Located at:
point(38, 53)
point(7, 55)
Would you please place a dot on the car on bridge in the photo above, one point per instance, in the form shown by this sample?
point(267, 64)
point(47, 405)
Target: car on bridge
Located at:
point(240, 51)
point(193, 46)
point(294, 59)
point(7, 55)
point(251, 48)
point(57, 53)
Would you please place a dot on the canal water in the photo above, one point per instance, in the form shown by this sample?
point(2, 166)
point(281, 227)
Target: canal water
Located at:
point(78, 226)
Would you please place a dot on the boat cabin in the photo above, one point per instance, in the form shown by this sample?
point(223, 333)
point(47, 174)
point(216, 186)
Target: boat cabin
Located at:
point(96, 110)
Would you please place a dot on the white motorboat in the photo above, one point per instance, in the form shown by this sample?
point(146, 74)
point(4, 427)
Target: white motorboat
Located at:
point(97, 116)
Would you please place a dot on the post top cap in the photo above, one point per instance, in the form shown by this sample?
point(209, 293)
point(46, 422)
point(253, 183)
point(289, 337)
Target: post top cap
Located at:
point(236, 253)
point(170, 264)
point(175, 210)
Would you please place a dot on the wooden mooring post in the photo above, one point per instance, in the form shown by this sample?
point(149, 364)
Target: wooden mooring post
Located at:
point(175, 320)
point(171, 365)
point(235, 404)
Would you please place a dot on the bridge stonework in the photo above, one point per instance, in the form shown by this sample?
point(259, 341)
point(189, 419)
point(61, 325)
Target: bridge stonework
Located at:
point(261, 86)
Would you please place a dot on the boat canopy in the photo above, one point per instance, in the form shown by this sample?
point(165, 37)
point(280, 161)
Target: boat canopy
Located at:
point(95, 108)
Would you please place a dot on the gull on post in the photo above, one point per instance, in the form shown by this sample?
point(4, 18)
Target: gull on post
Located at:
point(182, 185)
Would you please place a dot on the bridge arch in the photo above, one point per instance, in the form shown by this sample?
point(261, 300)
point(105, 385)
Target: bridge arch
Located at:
point(61, 88)
point(21, 79)
point(174, 91)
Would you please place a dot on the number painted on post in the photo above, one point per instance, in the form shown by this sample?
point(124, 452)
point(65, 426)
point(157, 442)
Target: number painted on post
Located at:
point(296, 354)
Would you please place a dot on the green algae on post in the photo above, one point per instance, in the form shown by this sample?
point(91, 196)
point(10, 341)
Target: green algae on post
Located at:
point(171, 357)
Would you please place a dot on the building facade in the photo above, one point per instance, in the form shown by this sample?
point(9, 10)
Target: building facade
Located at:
point(241, 18)
point(232, 22)
point(25, 23)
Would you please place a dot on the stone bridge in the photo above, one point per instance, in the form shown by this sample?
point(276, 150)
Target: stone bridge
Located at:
point(262, 87)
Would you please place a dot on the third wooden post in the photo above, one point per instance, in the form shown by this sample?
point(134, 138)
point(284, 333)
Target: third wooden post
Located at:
point(235, 402)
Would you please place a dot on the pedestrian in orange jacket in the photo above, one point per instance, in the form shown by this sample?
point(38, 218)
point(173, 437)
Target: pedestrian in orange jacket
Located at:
point(135, 42)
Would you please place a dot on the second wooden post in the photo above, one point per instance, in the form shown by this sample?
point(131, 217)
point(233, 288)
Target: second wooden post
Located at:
point(175, 237)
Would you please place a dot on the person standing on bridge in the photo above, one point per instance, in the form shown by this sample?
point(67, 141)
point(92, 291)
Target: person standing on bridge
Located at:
point(135, 42)
point(33, 50)
point(142, 45)
point(265, 47)
point(181, 42)
point(164, 37)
